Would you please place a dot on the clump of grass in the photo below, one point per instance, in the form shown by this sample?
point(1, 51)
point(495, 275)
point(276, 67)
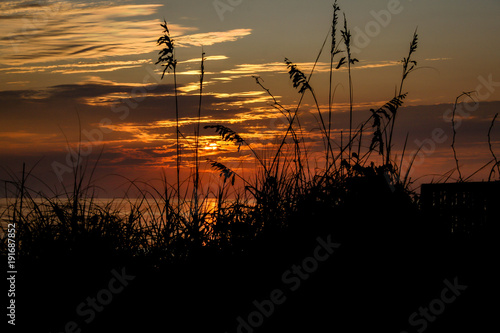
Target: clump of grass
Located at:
point(166, 226)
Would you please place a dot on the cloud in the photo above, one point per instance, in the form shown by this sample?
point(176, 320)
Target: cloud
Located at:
point(74, 68)
point(18, 7)
point(95, 98)
point(210, 38)
point(437, 59)
point(66, 30)
point(256, 68)
point(20, 83)
point(208, 58)
point(35, 122)
point(306, 67)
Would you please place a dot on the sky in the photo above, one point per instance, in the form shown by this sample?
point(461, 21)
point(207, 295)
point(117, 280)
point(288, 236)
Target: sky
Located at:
point(84, 71)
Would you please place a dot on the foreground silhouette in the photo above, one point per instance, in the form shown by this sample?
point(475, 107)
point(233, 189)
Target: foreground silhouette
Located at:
point(379, 265)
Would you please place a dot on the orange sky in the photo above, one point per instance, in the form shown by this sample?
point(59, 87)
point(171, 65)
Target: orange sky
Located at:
point(74, 70)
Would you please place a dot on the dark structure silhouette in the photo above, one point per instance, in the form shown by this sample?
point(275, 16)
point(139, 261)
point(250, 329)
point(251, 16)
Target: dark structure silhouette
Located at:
point(463, 208)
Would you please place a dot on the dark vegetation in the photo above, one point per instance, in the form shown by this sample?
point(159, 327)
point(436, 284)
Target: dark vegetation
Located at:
point(198, 269)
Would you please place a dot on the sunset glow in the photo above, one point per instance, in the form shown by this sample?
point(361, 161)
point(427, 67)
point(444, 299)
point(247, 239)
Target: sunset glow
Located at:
point(211, 146)
point(250, 165)
point(75, 71)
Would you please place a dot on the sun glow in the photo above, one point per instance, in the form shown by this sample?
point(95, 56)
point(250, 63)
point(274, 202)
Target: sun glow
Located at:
point(211, 146)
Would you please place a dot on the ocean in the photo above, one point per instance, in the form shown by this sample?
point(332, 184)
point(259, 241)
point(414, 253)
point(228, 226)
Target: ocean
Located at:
point(149, 208)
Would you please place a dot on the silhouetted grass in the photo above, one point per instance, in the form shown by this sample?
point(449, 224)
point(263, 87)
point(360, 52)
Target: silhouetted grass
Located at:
point(205, 263)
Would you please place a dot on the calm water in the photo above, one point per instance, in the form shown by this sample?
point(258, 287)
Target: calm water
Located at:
point(149, 207)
